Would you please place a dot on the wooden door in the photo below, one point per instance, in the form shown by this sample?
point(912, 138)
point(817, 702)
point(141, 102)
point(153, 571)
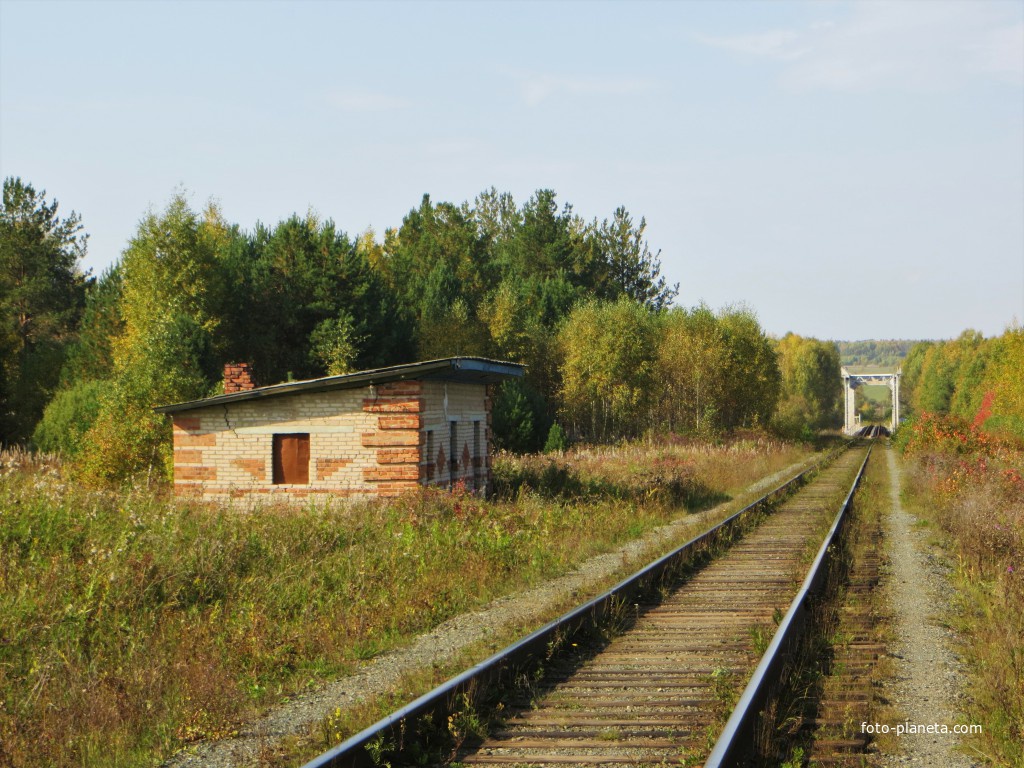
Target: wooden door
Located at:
point(291, 459)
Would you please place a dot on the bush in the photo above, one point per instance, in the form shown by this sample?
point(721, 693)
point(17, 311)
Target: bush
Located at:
point(557, 440)
point(520, 417)
point(67, 418)
point(127, 441)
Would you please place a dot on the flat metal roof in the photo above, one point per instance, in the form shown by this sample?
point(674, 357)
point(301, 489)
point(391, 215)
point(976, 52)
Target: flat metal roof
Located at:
point(478, 370)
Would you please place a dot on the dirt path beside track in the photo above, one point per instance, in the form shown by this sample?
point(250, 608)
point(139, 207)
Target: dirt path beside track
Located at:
point(928, 679)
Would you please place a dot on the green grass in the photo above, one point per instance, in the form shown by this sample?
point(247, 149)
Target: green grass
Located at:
point(131, 624)
point(876, 393)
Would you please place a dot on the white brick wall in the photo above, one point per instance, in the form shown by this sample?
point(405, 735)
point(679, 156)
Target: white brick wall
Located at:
point(238, 462)
point(361, 443)
point(464, 404)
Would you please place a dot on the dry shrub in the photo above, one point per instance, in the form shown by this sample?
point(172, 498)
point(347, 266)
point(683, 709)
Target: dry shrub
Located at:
point(676, 470)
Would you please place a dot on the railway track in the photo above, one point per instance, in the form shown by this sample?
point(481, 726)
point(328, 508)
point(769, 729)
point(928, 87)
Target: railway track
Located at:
point(659, 692)
point(653, 693)
point(852, 668)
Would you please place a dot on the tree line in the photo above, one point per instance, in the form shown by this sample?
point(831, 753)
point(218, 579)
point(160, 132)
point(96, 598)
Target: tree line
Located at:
point(884, 353)
point(582, 303)
point(971, 377)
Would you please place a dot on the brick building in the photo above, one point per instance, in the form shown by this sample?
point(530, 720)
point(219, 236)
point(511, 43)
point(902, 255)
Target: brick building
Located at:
point(371, 433)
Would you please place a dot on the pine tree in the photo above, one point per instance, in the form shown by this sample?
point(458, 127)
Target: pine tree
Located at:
point(42, 292)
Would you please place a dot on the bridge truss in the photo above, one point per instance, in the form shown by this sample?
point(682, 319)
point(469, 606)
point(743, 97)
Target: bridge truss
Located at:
point(851, 381)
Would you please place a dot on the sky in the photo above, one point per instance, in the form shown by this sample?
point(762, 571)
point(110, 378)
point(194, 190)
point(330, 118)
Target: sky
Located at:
point(848, 170)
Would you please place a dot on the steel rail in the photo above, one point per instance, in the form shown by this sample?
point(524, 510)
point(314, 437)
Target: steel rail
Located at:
point(737, 737)
point(354, 752)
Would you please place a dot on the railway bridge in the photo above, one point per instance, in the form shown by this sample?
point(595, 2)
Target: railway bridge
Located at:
point(853, 380)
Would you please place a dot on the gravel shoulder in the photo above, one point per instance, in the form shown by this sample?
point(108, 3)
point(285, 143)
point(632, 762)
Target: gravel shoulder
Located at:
point(446, 641)
point(927, 681)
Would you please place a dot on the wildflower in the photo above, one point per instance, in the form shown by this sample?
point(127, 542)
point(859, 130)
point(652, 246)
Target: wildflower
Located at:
point(1010, 569)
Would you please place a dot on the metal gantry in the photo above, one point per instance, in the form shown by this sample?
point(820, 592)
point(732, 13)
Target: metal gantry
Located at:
point(851, 381)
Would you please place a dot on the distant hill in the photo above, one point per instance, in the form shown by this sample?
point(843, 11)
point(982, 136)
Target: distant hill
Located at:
point(874, 353)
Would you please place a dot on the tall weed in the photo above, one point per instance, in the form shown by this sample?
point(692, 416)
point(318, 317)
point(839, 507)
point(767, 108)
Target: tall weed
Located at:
point(971, 484)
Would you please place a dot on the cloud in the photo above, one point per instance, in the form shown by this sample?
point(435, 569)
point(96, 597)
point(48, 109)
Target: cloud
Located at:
point(536, 89)
point(355, 100)
point(783, 44)
point(894, 45)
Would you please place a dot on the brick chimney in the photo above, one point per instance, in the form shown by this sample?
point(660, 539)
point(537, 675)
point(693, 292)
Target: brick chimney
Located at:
point(237, 378)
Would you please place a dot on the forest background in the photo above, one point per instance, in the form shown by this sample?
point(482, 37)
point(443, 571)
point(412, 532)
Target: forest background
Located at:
point(582, 304)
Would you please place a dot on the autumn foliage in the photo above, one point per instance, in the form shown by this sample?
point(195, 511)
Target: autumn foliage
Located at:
point(967, 472)
point(974, 378)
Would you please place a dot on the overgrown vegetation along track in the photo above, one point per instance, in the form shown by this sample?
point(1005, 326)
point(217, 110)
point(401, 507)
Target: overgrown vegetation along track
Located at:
point(848, 690)
point(658, 692)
